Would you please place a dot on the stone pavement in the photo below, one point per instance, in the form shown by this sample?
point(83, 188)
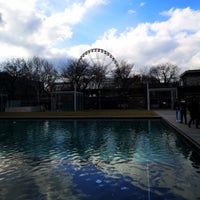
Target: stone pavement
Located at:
point(192, 134)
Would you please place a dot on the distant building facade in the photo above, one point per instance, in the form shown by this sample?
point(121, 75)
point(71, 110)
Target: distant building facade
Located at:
point(190, 78)
point(18, 91)
point(189, 84)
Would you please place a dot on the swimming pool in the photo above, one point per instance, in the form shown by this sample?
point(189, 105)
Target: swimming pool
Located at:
point(95, 160)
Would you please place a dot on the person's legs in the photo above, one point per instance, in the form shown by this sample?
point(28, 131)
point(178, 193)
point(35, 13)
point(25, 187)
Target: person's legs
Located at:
point(190, 121)
point(177, 115)
point(197, 123)
point(185, 116)
point(181, 112)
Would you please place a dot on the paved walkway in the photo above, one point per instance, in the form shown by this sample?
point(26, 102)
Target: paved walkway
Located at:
point(192, 134)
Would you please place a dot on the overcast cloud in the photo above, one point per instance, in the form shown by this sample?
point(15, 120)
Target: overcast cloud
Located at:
point(30, 27)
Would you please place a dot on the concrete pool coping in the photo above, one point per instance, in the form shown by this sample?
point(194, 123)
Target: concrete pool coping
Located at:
point(78, 117)
point(190, 134)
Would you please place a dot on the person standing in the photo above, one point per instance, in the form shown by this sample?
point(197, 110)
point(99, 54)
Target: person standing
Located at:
point(193, 109)
point(177, 109)
point(198, 115)
point(183, 110)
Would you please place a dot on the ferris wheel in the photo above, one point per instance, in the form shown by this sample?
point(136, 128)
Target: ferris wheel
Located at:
point(100, 57)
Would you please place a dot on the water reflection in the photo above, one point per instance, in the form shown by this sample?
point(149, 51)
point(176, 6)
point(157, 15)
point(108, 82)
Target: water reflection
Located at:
point(55, 159)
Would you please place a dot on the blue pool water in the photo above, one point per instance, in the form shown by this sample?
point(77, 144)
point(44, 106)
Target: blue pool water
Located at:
point(95, 160)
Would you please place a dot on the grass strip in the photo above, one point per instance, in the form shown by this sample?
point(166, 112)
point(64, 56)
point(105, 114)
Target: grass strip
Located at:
point(83, 113)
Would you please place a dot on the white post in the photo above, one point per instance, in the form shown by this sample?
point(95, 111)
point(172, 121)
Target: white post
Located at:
point(172, 99)
point(148, 99)
point(75, 96)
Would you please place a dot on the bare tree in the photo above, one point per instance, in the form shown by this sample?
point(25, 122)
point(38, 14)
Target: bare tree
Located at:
point(14, 66)
point(166, 73)
point(49, 75)
point(42, 73)
point(98, 75)
point(35, 73)
point(122, 74)
point(41, 70)
point(122, 79)
point(78, 73)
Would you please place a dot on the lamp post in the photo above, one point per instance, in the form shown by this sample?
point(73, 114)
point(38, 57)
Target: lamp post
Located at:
point(148, 98)
point(75, 96)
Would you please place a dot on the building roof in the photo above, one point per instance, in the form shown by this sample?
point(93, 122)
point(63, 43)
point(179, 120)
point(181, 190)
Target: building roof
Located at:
point(188, 72)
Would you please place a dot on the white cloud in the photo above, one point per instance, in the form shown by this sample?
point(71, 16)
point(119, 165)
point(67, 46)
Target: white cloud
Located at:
point(142, 4)
point(10, 51)
point(175, 40)
point(30, 28)
point(18, 5)
point(183, 19)
point(37, 27)
point(131, 12)
point(91, 3)
point(77, 51)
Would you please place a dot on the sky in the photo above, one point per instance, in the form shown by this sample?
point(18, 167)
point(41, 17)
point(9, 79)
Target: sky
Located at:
point(140, 32)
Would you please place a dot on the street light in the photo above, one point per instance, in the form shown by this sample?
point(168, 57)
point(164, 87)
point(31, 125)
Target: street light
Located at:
point(148, 98)
point(75, 96)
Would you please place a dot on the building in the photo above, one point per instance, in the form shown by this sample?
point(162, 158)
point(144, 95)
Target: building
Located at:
point(19, 91)
point(189, 84)
point(190, 78)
